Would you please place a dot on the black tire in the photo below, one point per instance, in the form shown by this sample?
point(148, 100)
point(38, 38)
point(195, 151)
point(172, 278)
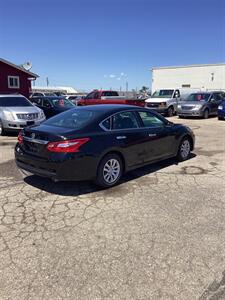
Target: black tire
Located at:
point(206, 113)
point(220, 118)
point(170, 111)
point(183, 154)
point(181, 117)
point(2, 130)
point(101, 178)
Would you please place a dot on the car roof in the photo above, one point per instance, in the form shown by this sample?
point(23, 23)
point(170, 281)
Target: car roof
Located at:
point(109, 108)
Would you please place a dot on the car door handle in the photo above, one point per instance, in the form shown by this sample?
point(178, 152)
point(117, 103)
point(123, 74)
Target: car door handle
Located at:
point(152, 134)
point(121, 137)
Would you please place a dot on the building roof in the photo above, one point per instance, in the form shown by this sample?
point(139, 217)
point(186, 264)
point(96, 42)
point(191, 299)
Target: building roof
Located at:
point(189, 66)
point(68, 89)
point(19, 68)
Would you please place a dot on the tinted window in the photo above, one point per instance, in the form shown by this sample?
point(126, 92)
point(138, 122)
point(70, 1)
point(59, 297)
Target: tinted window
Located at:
point(46, 103)
point(124, 120)
point(74, 119)
point(37, 95)
point(106, 124)
point(150, 120)
point(62, 103)
point(14, 101)
point(109, 94)
point(38, 101)
point(90, 96)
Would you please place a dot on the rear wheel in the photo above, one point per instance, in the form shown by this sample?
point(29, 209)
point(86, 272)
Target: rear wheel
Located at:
point(220, 118)
point(2, 130)
point(109, 170)
point(206, 114)
point(170, 111)
point(184, 150)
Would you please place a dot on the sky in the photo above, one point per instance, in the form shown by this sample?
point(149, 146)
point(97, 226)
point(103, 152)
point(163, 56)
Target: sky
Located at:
point(91, 44)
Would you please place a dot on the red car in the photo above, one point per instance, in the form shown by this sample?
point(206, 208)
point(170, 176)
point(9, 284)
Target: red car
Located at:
point(108, 97)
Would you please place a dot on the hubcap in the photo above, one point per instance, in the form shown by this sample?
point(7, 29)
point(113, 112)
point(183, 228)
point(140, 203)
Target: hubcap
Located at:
point(185, 149)
point(111, 170)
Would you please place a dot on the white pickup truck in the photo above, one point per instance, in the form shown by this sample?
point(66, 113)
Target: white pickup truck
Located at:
point(165, 101)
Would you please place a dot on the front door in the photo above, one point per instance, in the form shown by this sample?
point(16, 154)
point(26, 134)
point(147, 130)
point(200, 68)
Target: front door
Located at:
point(160, 137)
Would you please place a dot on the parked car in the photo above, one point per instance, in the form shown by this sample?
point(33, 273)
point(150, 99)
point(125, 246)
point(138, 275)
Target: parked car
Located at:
point(108, 97)
point(202, 104)
point(100, 143)
point(165, 101)
point(221, 110)
point(52, 105)
point(17, 112)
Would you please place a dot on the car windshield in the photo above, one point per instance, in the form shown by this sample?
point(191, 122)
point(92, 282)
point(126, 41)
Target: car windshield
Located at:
point(198, 97)
point(61, 102)
point(14, 102)
point(50, 94)
point(163, 94)
point(74, 119)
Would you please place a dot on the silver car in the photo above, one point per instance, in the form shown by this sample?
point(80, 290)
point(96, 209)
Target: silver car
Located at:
point(17, 112)
point(201, 104)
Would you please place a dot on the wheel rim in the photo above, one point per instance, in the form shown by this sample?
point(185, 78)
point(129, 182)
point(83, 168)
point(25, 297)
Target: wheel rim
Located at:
point(111, 170)
point(185, 149)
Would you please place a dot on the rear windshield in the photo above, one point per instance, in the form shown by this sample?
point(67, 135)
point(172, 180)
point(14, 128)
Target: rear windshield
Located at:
point(62, 102)
point(198, 97)
point(74, 119)
point(14, 101)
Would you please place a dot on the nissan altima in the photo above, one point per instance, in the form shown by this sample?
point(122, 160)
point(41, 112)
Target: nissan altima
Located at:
point(101, 143)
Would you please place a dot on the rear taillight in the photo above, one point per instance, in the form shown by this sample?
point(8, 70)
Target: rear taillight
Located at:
point(20, 138)
point(68, 146)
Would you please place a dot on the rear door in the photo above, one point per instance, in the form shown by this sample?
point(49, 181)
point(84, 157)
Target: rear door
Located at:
point(160, 137)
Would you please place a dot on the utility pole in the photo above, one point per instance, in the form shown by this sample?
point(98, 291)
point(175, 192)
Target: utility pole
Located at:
point(47, 81)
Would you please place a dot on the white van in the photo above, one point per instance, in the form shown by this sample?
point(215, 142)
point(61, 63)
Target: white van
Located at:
point(165, 101)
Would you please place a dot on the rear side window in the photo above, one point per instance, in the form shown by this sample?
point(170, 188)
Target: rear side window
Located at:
point(73, 119)
point(150, 120)
point(124, 120)
point(38, 101)
point(106, 124)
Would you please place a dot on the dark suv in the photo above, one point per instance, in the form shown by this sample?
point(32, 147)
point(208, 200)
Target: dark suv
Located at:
point(201, 104)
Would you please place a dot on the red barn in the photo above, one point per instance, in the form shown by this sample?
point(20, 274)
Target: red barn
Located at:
point(15, 79)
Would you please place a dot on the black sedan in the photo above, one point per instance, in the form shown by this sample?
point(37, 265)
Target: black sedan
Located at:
point(52, 105)
point(100, 143)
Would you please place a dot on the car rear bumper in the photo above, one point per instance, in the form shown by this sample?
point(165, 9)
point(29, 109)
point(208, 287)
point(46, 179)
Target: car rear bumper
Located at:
point(77, 168)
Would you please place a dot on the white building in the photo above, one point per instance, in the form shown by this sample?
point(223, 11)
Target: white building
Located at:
point(204, 77)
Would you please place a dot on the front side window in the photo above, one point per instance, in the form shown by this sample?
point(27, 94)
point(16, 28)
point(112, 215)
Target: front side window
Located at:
point(150, 120)
point(124, 120)
point(13, 82)
point(61, 102)
point(46, 103)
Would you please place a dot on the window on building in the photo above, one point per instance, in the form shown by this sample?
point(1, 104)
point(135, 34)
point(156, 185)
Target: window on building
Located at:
point(13, 82)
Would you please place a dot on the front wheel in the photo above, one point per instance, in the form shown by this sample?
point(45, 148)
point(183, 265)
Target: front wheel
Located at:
point(184, 150)
point(206, 114)
point(220, 118)
point(109, 170)
point(170, 111)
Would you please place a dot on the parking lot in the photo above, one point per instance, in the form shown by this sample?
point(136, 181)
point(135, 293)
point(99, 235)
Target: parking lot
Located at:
point(160, 234)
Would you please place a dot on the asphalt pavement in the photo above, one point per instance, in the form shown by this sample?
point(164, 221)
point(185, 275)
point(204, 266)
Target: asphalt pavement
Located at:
point(160, 234)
